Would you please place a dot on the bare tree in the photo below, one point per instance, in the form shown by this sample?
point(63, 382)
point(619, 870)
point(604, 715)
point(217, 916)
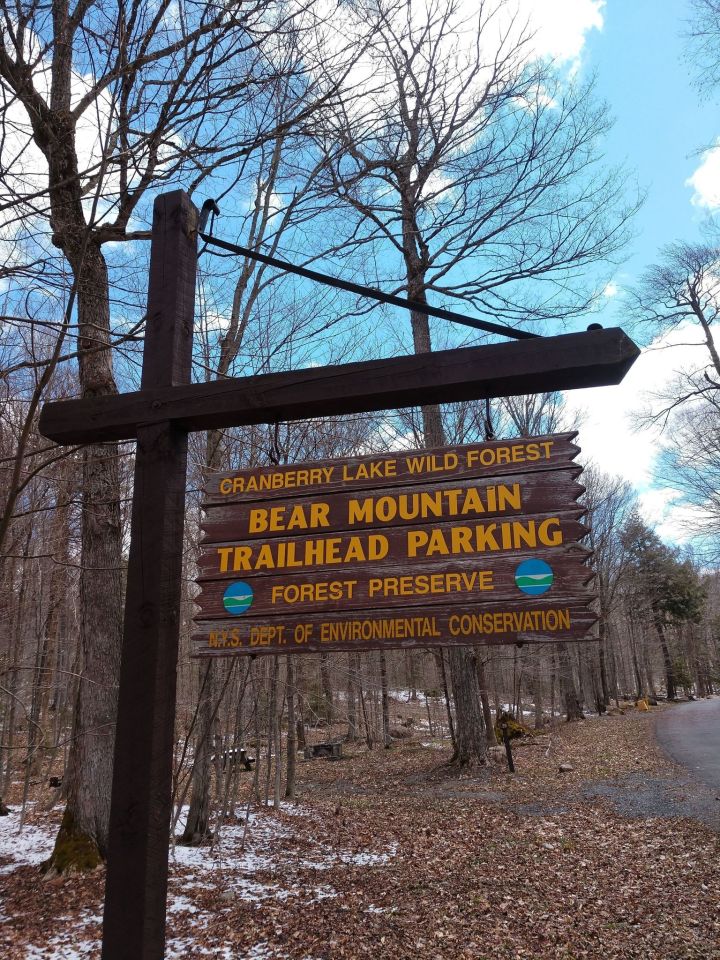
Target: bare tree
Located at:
point(703, 48)
point(669, 589)
point(682, 291)
point(610, 502)
point(477, 166)
point(475, 172)
point(101, 103)
point(691, 464)
point(531, 415)
point(683, 288)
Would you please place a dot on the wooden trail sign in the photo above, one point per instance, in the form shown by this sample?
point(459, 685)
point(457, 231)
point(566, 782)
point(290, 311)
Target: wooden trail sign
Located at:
point(159, 416)
point(400, 550)
point(491, 459)
point(464, 624)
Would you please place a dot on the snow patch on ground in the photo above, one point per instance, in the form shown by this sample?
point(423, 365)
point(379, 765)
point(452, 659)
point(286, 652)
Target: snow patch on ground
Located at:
point(70, 945)
point(231, 866)
point(182, 948)
point(358, 859)
point(406, 696)
point(373, 909)
point(30, 846)
point(57, 951)
point(179, 904)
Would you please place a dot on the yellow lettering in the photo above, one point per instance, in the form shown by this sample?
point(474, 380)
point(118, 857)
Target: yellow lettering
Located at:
point(461, 539)
point(415, 540)
point(523, 535)
point(360, 511)
point(258, 521)
point(553, 539)
point(509, 497)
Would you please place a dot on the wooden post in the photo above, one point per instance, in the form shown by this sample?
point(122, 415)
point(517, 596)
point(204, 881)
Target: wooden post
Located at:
point(134, 919)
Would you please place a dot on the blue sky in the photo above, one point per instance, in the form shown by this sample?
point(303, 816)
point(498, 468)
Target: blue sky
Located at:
point(663, 127)
point(660, 119)
point(637, 51)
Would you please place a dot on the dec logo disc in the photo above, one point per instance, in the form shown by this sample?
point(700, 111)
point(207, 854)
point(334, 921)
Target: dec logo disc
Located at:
point(238, 597)
point(534, 577)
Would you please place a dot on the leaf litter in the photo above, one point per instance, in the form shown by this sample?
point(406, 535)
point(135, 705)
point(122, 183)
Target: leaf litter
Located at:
point(390, 855)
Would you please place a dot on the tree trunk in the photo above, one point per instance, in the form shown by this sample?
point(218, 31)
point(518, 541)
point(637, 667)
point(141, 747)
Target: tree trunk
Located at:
point(446, 692)
point(197, 826)
point(412, 674)
point(277, 744)
point(570, 694)
point(667, 660)
point(352, 732)
point(537, 682)
point(485, 701)
point(369, 739)
point(327, 690)
point(299, 675)
point(291, 734)
point(82, 840)
point(470, 743)
point(12, 681)
point(604, 686)
point(385, 705)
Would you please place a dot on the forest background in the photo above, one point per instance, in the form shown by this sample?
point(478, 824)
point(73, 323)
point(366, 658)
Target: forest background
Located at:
point(452, 153)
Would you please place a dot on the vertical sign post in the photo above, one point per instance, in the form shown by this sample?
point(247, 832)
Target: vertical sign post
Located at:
point(134, 919)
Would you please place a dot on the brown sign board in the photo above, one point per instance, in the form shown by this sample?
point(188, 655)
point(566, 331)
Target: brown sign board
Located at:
point(492, 459)
point(511, 495)
point(421, 627)
point(472, 544)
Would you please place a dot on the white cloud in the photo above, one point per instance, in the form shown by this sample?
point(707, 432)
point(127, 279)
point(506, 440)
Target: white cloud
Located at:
point(661, 508)
point(705, 181)
point(562, 26)
point(609, 433)
point(461, 36)
point(673, 519)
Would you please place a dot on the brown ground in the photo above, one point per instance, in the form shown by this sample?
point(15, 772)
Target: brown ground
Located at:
point(498, 866)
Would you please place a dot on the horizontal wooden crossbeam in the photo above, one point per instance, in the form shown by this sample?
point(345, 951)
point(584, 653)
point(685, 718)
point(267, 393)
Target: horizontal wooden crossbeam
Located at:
point(594, 358)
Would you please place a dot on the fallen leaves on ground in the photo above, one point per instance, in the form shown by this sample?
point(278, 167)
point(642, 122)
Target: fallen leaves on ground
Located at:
point(391, 855)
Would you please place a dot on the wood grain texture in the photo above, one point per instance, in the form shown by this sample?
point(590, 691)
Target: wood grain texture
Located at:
point(388, 585)
point(531, 621)
point(333, 552)
point(570, 361)
point(481, 461)
point(136, 887)
point(461, 501)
